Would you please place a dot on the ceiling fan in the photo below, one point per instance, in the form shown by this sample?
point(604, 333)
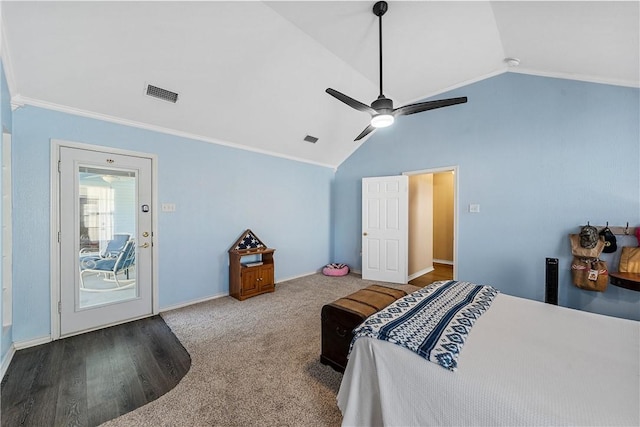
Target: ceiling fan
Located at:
point(382, 112)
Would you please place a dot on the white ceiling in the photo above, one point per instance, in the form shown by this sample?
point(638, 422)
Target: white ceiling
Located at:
point(253, 74)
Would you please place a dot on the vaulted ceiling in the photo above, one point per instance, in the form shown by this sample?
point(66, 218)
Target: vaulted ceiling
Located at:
point(254, 74)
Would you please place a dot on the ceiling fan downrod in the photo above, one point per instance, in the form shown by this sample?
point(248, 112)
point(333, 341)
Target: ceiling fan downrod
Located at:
point(379, 9)
point(382, 105)
point(381, 110)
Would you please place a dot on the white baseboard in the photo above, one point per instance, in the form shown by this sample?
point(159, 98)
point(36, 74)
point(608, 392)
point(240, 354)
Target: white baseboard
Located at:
point(7, 360)
point(226, 294)
point(19, 345)
point(443, 261)
point(299, 276)
point(192, 302)
point(421, 272)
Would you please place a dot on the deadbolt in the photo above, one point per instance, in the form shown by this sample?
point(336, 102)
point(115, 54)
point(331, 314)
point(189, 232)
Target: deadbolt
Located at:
point(145, 234)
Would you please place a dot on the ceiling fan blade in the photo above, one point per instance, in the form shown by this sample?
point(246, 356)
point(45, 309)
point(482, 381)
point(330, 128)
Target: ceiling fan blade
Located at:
point(429, 105)
point(365, 132)
point(351, 102)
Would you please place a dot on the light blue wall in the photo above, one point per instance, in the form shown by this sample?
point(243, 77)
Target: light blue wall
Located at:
point(540, 155)
point(6, 125)
point(218, 191)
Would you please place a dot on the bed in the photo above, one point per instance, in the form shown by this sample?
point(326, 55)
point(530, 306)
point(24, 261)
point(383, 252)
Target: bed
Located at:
point(523, 363)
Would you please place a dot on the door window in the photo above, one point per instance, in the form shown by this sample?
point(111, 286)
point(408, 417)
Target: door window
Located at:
point(107, 221)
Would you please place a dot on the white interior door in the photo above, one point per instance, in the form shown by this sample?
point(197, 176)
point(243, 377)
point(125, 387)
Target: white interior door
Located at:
point(385, 219)
point(105, 239)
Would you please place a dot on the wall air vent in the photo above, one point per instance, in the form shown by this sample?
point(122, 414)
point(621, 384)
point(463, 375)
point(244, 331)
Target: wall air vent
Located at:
point(311, 139)
point(158, 92)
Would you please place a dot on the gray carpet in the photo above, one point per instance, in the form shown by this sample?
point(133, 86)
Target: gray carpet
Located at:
point(254, 362)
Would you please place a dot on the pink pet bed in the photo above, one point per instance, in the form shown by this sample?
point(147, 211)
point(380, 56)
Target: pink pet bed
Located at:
point(335, 270)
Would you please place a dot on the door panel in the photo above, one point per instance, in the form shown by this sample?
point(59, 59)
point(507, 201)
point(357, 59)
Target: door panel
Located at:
point(373, 254)
point(249, 281)
point(384, 228)
point(373, 216)
point(105, 239)
point(393, 252)
point(266, 277)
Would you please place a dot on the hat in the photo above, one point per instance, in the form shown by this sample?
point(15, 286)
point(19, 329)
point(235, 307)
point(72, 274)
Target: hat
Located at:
point(610, 245)
point(588, 237)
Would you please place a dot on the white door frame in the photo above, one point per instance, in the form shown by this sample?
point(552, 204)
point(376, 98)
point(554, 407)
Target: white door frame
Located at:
point(6, 237)
point(55, 224)
point(455, 208)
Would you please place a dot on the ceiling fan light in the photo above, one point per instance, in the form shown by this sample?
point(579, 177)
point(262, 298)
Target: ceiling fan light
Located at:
point(382, 120)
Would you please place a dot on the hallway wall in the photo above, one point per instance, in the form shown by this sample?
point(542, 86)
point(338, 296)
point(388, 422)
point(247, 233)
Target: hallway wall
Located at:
point(443, 194)
point(420, 223)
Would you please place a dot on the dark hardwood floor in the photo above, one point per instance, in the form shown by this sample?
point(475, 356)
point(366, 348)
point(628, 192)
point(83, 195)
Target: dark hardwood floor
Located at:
point(440, 272)
point(91, 378)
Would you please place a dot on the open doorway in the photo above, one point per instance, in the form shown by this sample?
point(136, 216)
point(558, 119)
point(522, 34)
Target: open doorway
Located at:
point(432, 225)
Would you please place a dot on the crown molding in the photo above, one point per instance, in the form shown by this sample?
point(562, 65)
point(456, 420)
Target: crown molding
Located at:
point(15, 103)
point(20, 101)
point(578, 77)
point(519, 70)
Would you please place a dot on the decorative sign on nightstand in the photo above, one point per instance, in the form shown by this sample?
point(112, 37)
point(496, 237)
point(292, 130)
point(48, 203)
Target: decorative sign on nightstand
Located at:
point(256, 275)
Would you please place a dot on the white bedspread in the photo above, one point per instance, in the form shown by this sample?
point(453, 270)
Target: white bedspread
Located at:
point(524, 363)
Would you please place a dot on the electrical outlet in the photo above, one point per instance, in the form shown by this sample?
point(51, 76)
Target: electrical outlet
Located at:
point(474, 208)
point(168, 207)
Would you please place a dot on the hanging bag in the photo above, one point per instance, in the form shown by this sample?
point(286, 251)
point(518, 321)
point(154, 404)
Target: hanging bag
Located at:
point(579, 251)
point(610, 244)
point(590, 274)
point(629, 260)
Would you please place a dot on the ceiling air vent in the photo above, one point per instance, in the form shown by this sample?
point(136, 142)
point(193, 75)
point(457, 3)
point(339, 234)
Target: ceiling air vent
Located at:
point(158, 92)
point(311, 139)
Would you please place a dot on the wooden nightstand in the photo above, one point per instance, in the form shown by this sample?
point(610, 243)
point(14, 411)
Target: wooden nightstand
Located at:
point(251, 267)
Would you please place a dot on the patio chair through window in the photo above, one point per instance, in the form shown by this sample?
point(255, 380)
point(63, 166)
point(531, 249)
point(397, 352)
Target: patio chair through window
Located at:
point(112, 250)
point(113, 266)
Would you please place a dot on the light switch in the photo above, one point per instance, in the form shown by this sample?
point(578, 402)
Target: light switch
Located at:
point(168, 207)
point(474, 208)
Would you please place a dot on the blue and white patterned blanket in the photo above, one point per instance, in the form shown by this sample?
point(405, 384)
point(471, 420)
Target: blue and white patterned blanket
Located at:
point(433, 321)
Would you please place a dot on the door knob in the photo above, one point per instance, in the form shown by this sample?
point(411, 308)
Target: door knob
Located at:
point(364, 234)
point(146, 245)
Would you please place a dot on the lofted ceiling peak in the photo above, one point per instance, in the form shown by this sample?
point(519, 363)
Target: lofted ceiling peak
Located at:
point(254, 74)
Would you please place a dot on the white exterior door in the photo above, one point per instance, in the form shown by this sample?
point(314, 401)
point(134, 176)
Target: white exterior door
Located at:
point(385, 219)
point(105, 239)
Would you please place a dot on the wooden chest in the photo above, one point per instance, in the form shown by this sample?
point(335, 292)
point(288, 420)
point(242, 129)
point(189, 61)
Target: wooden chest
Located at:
point(342, 316)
